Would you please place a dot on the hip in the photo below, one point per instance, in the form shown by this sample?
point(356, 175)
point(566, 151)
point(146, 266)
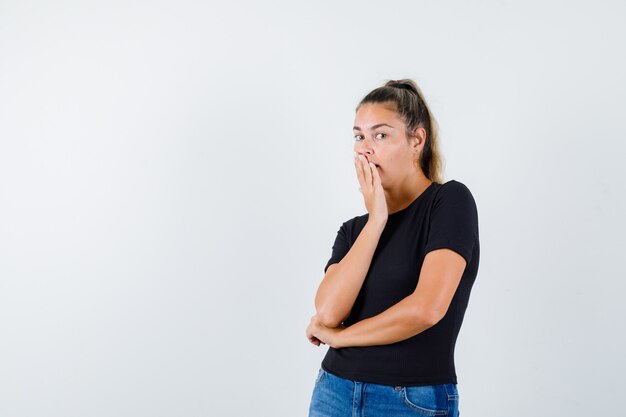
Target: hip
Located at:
point(336, 396)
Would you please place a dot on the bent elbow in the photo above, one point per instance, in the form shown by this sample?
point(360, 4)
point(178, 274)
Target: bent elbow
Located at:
point(332, 323)
point(429, 317)
point(330, 318)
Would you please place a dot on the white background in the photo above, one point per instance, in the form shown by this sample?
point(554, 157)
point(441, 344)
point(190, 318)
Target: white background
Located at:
point(173, 175)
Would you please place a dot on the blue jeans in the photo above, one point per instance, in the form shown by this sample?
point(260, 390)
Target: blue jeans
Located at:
point(334, 396)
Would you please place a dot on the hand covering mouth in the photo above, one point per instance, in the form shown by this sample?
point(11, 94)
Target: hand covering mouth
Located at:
point(377, 166)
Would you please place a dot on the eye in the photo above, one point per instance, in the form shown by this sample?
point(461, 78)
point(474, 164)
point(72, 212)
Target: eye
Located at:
point(360, 137)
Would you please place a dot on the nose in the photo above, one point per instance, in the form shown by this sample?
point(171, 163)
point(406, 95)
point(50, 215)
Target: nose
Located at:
point(363, 147)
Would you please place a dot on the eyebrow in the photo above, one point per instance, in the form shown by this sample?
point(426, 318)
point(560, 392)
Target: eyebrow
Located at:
point(373, 127)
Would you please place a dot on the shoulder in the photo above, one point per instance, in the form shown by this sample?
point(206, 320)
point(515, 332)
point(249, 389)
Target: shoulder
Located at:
point(352, 227)
point(455, 192)
point(454, 186)
point(358, 222)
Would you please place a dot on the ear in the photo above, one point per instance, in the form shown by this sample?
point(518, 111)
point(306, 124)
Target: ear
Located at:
point(419, 137)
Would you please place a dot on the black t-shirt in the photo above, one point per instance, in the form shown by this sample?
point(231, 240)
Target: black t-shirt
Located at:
point(443, 216)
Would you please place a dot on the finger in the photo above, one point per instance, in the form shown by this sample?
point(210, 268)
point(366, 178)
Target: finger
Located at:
point(375, 175)
point(368, 172)
point(359, 172)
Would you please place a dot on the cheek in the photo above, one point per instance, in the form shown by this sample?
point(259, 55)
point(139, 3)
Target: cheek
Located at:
point(391, 162)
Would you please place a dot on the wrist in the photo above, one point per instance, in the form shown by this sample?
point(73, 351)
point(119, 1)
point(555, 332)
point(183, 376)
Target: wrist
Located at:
point(377, 223)
point(337, 340)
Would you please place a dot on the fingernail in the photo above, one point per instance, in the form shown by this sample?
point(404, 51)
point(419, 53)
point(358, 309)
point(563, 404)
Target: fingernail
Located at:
point(360, 157)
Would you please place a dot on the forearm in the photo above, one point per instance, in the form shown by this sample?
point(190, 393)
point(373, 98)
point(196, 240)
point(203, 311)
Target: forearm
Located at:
point(340, 287)
point(399, 322)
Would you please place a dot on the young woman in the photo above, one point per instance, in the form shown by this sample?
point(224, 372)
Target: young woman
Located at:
point(397, 285)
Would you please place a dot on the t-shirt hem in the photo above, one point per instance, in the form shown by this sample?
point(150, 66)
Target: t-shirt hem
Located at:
point(462, 250)
point(394, 382)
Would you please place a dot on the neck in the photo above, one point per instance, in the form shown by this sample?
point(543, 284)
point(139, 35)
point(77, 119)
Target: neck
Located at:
point(406, 192)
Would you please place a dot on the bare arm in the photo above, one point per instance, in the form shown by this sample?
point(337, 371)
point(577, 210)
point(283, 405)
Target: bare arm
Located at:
point(342, 282)
point(440, 276)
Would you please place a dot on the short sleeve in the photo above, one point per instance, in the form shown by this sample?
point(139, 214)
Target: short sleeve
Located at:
point(340, 247)
point(453, 220)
